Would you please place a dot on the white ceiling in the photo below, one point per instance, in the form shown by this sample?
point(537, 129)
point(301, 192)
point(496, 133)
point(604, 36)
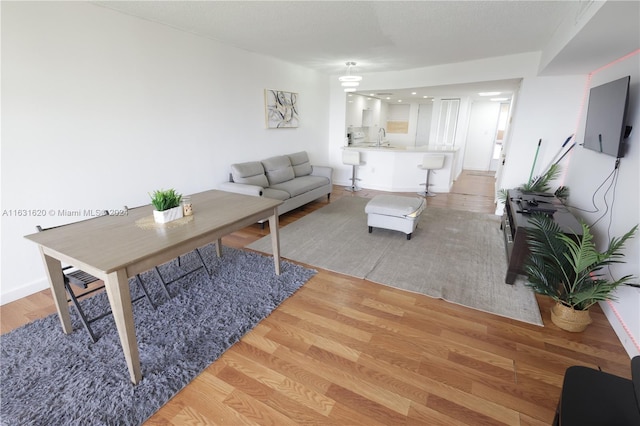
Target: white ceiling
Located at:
point(383, 36)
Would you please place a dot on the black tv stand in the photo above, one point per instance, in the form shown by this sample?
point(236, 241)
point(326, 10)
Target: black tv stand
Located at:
point(518, 209)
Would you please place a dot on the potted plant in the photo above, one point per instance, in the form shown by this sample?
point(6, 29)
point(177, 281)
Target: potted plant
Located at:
point(167, 205)
point(541, 184)
point(568, 268)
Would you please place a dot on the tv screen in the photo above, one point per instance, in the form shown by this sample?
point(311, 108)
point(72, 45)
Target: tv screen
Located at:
point(606, 115)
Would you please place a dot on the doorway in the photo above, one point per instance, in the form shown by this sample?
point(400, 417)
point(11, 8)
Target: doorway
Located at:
point(481, 140)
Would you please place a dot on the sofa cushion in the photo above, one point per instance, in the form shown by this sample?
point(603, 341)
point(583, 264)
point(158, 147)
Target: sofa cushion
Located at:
point(301, 184)
point(251, 173)
point(275, 194)
point(278, 169)
point(300, 163)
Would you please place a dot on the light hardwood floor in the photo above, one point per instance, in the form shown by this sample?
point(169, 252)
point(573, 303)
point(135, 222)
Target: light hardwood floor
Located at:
point(346, 351)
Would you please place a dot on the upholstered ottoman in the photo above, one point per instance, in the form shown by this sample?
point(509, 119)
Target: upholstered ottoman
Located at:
point(394, 212)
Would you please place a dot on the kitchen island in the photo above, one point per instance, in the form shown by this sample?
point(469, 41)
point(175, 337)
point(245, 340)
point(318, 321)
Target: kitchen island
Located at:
point(395, 167)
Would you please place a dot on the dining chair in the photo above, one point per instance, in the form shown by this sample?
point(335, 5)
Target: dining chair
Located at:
point(593, 397)
point(74, 277)
point(164, 283)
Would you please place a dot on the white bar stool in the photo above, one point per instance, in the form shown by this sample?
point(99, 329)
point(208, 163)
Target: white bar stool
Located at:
point(352, 158)
point(430, 162)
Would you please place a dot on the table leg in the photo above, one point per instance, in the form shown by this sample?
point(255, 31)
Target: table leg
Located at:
point(117, 286)
point(219, 247)
point(56, 281)
point(275, 239)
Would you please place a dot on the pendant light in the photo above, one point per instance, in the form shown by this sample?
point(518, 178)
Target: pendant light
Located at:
point(350, 82)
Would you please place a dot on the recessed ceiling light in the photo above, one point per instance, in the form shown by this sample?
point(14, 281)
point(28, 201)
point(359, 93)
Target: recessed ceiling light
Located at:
point(399, 100)
point(413, 93)
point(499, 99)
point(489, 93)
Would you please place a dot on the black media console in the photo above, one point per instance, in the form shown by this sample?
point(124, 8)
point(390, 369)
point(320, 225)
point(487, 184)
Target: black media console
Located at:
point(518, 209)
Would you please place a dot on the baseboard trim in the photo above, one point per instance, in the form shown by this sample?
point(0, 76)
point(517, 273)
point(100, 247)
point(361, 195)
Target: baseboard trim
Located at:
point(24, 291)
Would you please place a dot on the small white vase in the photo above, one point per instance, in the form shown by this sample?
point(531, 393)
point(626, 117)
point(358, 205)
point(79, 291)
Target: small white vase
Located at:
point(167, 215)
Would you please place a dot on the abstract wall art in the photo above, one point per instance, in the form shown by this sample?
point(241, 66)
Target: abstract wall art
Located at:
point(281, 109)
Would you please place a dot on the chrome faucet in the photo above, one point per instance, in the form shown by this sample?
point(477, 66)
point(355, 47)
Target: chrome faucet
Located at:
point(384, 135)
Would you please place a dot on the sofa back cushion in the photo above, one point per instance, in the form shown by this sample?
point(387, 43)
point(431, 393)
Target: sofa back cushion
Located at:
point(300, 163)
point(251, 173)
point(278, 169)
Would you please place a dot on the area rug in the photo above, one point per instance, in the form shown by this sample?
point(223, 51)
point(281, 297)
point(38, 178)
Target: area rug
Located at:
point(51, 378)
point(454, 255)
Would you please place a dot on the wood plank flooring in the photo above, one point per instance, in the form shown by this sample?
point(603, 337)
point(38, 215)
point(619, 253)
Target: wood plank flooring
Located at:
point(345, 351)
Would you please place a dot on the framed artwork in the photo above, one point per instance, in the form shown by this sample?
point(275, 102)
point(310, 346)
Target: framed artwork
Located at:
point(281, 109)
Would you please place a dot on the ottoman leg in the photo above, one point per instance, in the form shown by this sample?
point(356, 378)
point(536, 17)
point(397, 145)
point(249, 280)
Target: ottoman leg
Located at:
point(408, 236)
point(370, 229)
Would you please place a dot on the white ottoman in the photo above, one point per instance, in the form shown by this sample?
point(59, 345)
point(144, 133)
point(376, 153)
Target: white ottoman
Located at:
point(394, 212)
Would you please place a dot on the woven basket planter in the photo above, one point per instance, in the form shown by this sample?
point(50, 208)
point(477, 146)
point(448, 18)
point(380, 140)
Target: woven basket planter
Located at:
point(569, 319)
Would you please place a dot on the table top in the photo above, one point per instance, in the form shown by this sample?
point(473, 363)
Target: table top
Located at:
point(110, 243)
point(562, 216)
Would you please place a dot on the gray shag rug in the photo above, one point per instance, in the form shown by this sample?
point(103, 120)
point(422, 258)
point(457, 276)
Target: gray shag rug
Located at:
point(454, 255)
point(50, 378)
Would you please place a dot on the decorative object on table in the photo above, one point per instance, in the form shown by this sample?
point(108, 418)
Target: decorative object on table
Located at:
point(46, 375)
point(569, 270)
point(281, 109)
point(167, 205)
point(187, 206)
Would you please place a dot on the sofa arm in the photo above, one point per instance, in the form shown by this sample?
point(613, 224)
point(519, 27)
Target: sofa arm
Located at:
point(322, 171)
point(242, 188)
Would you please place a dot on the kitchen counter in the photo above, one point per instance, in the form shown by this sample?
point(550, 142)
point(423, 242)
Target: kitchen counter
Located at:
point(396, 168)
point(386, 146)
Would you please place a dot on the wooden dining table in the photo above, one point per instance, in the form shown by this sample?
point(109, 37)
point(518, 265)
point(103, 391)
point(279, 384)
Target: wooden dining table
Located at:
point(116, 247)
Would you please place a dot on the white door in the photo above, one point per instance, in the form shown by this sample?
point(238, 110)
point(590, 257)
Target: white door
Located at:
point(483, 121)
point(425, 112)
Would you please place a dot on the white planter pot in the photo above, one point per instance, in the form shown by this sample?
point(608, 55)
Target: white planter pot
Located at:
point(167, 215)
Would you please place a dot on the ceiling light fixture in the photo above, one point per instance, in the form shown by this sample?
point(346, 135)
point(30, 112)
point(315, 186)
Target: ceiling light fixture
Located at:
point(350, 82)
point(489, 93)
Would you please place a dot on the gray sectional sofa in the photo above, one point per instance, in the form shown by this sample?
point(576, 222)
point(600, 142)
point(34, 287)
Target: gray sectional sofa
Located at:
point(290, 178)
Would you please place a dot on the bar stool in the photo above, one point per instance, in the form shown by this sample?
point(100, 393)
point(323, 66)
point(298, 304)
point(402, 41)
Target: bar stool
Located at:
point(352, 158)
point(430, 162)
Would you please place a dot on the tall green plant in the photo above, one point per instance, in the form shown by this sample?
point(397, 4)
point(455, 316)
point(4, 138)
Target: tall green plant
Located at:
point(541, 184)
point(569, 268)
point(164, 200)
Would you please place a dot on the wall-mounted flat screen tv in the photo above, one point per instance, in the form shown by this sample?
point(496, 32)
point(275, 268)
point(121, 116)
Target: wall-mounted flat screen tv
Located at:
point(606, 128)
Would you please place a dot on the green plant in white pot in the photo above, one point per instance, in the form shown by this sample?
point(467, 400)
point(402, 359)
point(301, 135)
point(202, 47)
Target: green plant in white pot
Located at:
point(568, 268)
point(167, 205)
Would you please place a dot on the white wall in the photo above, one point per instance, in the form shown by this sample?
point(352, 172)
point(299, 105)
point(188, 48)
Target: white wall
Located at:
point(100, 108)
point(547, 109)
point(586, 172)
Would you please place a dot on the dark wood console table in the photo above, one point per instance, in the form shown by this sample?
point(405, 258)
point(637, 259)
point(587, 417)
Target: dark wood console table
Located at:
point(515, 221)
